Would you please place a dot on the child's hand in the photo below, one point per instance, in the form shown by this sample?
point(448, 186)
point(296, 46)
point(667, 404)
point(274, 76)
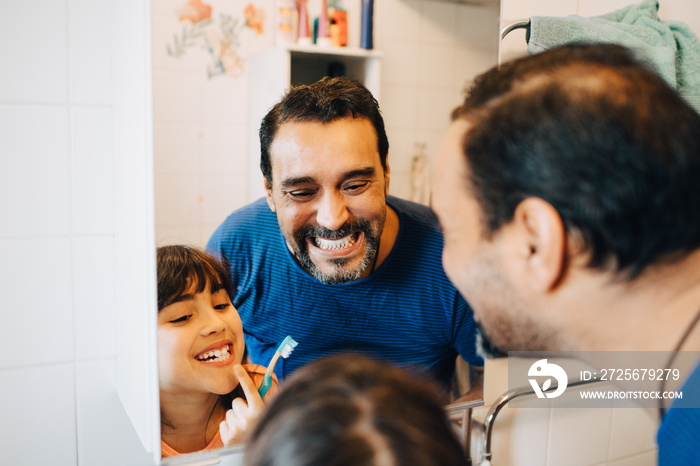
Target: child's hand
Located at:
point(242, 412)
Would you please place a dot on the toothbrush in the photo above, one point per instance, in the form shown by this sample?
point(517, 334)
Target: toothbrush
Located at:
point(284, 350)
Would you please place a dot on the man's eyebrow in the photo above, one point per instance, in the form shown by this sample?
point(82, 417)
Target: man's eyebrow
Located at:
point(290, 182)
point(360, 173)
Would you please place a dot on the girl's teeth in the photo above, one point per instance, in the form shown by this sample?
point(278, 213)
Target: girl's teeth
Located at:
point(332, 244)
point(217, 355)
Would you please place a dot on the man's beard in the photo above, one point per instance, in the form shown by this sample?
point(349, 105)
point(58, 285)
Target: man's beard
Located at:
point(340, 274)
point(485, 347)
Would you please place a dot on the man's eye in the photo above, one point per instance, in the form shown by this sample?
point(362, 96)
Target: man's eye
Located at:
point(221, 307)
point(301, 194)
point(357, 186)
point(182, 319)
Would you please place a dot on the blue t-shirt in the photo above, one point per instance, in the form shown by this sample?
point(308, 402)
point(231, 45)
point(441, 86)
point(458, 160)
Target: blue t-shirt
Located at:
point(406, 312)
point(679, 434)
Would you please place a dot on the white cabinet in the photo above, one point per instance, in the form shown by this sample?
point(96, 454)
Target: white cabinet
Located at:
point(274, 70)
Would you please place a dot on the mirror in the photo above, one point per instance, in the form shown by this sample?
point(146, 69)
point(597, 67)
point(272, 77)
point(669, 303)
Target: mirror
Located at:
point(205, 54)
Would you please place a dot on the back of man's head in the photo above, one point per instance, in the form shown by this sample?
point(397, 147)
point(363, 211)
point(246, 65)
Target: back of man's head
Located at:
point(602, 138)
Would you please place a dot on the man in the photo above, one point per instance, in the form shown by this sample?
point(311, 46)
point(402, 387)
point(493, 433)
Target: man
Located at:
point(567, 188)
point(328, 257)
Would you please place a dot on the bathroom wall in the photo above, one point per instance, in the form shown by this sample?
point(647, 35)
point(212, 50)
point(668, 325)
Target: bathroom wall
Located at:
point(430, 50)
point(58, 400)
point(558, 436)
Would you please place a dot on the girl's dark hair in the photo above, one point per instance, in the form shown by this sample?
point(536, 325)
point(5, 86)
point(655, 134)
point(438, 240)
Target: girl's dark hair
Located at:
point(351, 410)
point(179, 266)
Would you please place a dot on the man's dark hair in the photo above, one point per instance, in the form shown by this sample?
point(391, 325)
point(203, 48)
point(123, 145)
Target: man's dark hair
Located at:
point(324, 101)
point(599, 136)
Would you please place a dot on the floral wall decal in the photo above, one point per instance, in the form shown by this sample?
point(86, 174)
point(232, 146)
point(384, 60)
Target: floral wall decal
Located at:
point(219, 38)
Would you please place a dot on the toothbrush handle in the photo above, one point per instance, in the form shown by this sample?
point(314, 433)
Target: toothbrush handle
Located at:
point(267, 380)
point(265, 385)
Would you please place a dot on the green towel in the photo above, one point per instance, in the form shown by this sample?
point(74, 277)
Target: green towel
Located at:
point(670, 47)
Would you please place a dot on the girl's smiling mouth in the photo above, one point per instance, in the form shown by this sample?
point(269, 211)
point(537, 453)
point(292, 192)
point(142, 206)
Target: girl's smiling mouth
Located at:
point(217, 355)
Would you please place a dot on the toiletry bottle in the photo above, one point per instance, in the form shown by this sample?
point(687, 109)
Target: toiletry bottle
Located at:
point(324, 35)
point(366, 24)
point(304, 35)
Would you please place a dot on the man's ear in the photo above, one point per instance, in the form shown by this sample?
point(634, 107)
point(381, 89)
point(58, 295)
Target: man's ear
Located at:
point(268, 193)
point(541, 238)
point(387, 177)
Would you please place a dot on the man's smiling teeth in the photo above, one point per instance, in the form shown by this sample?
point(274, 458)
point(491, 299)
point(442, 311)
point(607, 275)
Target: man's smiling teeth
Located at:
point(216, 355)
point(330, 244)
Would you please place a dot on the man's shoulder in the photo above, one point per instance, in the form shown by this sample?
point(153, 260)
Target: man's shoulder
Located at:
point(414, 212)
point(252, 222)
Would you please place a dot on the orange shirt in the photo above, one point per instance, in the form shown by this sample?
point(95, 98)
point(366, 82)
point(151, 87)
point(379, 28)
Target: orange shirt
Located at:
point(257, 373)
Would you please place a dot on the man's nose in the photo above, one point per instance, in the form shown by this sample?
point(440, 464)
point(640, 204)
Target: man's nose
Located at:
point(332, 211)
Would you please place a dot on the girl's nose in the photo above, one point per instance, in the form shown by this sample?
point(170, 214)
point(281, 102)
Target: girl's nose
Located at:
point(212, 324)
point(332, 211)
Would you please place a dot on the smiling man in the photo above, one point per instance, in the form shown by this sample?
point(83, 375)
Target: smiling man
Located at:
point(567, 188)
point(328, 256)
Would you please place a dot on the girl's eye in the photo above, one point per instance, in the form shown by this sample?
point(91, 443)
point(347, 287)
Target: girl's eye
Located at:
point(221, 307)
point(182, 319)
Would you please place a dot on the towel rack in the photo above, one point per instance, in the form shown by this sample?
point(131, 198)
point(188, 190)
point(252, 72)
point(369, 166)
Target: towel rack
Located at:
point(523, 24)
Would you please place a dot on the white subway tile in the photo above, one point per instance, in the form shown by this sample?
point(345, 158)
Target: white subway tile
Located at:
point(478, 26)
point(436, 66)
point(95, 297)
point(178, 199)
point(469, 63)
point(644, 459)
point(93, 171)
point(225, 150)
point(439, 22)
point(435, 107)
point(520, 435)
point(399, 63)
point(177, 148)
point(90, 45)
point(35, 279)
point(38, 415)
point(513, 9)
point(35, 174)
point(400, 107)
point(579, 437)
point(633, 432)
point(225, 99)
point(105, 434)
point(190, 234)
point(220, 193)
point(34, 51)
point(177, 96)
point(397, 19)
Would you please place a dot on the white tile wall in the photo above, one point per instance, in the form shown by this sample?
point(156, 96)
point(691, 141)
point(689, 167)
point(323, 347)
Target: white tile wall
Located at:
point(35, 279)
point(112, 441)
point(93, 170)
point(57, 238)
point(38, 415)
point(35, 146)
point(34, 35)
point(90, 52)
point(95, 311)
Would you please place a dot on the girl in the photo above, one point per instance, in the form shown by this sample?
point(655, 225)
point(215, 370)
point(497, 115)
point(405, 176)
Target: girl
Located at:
point(207, 398)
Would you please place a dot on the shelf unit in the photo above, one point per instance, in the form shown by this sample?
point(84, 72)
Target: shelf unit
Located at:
point(275, 69)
